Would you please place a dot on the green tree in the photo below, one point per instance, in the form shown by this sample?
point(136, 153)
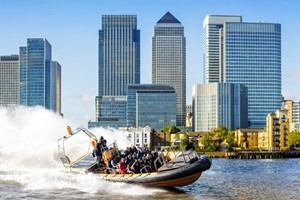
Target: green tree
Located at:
point(208, 141)
point(185, 143)
point(171, 129)
point(293, 139)
point(225, 135)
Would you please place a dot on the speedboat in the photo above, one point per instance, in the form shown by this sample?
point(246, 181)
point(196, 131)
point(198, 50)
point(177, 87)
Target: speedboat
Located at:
point(174, 167)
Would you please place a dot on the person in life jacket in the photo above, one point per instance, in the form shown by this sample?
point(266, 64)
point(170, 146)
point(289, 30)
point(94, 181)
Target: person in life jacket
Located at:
point(97, 152)
point(122, 166)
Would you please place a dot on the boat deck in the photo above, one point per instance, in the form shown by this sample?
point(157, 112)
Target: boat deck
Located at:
point(85, 162)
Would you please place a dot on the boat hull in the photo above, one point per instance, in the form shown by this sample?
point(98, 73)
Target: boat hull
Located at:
point(181, 176)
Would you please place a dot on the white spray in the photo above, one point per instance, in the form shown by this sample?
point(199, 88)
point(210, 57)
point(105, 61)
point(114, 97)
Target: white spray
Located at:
point(28, 153)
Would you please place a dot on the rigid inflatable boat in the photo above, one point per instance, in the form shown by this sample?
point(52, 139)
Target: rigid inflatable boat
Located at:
point(176, 167)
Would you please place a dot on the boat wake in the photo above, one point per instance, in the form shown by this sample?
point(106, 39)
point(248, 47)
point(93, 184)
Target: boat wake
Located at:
point(29, 160)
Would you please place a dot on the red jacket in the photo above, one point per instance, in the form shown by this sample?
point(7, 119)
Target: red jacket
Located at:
point(122, 168)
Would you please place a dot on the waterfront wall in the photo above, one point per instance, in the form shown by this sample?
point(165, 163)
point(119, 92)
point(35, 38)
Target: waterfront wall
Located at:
point(254, 154)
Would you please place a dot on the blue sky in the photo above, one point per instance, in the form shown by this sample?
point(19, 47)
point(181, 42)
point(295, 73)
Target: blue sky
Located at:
point(71, 26)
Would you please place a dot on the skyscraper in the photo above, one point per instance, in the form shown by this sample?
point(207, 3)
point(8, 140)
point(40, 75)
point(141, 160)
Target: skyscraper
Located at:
point(249, 54)
point(56, 86)
point(169, 60)
point(36, 84)
point(9, 80)
point(119, 61)
point(213, 26)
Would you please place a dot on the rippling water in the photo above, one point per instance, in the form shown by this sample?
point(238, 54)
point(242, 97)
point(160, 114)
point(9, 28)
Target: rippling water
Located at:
point(30, 169)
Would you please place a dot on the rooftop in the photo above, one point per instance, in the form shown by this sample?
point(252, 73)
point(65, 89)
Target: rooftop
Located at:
point(168, 18)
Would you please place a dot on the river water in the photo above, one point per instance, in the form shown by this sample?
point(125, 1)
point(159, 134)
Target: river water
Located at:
point(30, 169)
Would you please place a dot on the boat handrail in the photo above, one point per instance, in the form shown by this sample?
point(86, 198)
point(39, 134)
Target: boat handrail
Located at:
point(145, 168)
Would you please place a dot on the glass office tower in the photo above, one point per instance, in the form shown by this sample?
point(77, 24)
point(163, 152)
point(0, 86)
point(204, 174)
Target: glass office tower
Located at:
point(219, 104)
point(119, 63)
point(152, 105)
point(253, 58)
point(9, 80)
point(35, 65)
point(248, 54)
point(213, 26)
point(169, 60)
point(119, 54)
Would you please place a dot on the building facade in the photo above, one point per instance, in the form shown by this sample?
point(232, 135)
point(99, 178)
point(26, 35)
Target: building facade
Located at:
point(152, 105)
point(9, 80)
point(249, 54)
point(36, 83)
point(277, 128)
point(113, 112)
point(219, 104)
point(263, 140)
point(56, 86)
point(293, 109)
point(140, 137)
point(247, 138)
point(169, 60)
point(212, 28)
point(119, 58)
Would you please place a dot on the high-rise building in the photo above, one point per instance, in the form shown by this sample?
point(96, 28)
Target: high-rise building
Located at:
point(249, 54)
point(9, 80)
point(56, 84)
point(152, 105)
point(219, 104)
point(169, 60)
point(213, 32)
point(36, 75)
point(119, 58)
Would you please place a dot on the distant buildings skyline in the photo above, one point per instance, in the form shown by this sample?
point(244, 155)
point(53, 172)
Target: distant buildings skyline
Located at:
point(235, 52)
point(31, 78)
point(38, 75)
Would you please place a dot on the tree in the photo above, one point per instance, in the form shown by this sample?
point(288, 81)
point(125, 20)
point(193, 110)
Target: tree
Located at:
point(224, 135)
point(293, 139)
point(208, 141)
point(185, 143)
point(171, 129)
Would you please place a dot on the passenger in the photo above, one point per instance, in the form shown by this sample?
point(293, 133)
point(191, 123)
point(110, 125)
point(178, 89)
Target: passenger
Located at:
point(102, 143)
point(122, 166)
point(150, 161)
point(155, 153)
point(98, 154)
point(129, 161)
point(126, 152)
point(140, 153)
point(136, 166)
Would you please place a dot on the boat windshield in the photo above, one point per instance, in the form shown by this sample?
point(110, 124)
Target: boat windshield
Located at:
point(75, 147)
